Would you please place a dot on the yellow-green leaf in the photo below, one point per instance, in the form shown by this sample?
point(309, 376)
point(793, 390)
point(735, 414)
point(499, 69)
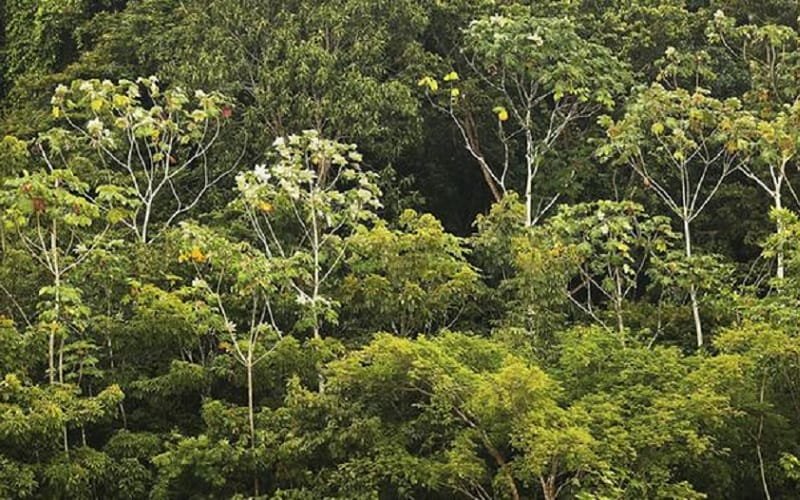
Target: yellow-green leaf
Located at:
point(501, 112)
point(657, 128)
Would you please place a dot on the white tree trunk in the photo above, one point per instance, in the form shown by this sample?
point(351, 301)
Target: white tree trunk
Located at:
point(698, 326)
point(778, 201)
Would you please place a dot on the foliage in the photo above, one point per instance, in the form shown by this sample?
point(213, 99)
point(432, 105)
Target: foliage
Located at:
point(409, 281)
point(544, 78)
point(158, 141)
point(296, 284)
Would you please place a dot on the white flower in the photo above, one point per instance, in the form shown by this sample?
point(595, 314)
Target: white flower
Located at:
point(497, 19)
point(199, 283)
point(536, 39)
point(94, 127)
point(261, 173)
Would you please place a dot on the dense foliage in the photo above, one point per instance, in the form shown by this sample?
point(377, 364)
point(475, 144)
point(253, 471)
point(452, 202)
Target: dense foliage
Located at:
point(399, 249)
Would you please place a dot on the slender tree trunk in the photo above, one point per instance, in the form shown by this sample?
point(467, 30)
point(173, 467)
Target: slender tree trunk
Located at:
point(618, 305)
point(124, 416)
point(315, 251)
point(51, 354)
point(56, 268)
point(473, 145)
point(778, 201)
point(146, 222)
point(758, 445)
point(315, 293)
point(51, 358)
point(61, 359)
point(529, 161)
point(528, 200)
point(698, 326)
point(251, 412)
point(250, 404)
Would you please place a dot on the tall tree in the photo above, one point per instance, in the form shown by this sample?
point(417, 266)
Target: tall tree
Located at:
point(60, 220)
point(775, 147)
point(544, 79)
point(156, 141)
point(612, 243)
point(301, 207)
point(683, 145)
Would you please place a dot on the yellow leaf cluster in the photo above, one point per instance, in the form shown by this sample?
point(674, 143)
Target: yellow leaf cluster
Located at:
point(193, 255)
point(451, 77)
point(430, 82)
point(502, 113)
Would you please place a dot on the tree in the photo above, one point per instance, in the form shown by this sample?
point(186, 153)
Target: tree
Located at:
point(157, 143)
point(528, 270)
point(174, 327)
point(683, 145)
point(32, 418)
point(544, 79)
point(775, 147)
point(340, 68)
point(410, 280)
point(614, 242)
point(758, 368)
point(237, 281)
point(37, 40)
point(60, 221)
point(767, 52)
point(501, 415)
point(640, 398)
point(301, 207)
point(313, 193)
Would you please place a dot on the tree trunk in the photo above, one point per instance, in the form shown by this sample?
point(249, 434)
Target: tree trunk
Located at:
point(315, 249)
point(548, 488)
point(780, 255)
point(618, 304)
point(501, 462)
point(471, 137)
point(51, 357)
point(250, 404)
point(530, 159)
point(251, 413)
point(61, 359)
point(496, 194)
point(146, 222)
point(51, 353)
point(698, 326)
point(528, 200)
point(761, 468)
point(315, 292)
